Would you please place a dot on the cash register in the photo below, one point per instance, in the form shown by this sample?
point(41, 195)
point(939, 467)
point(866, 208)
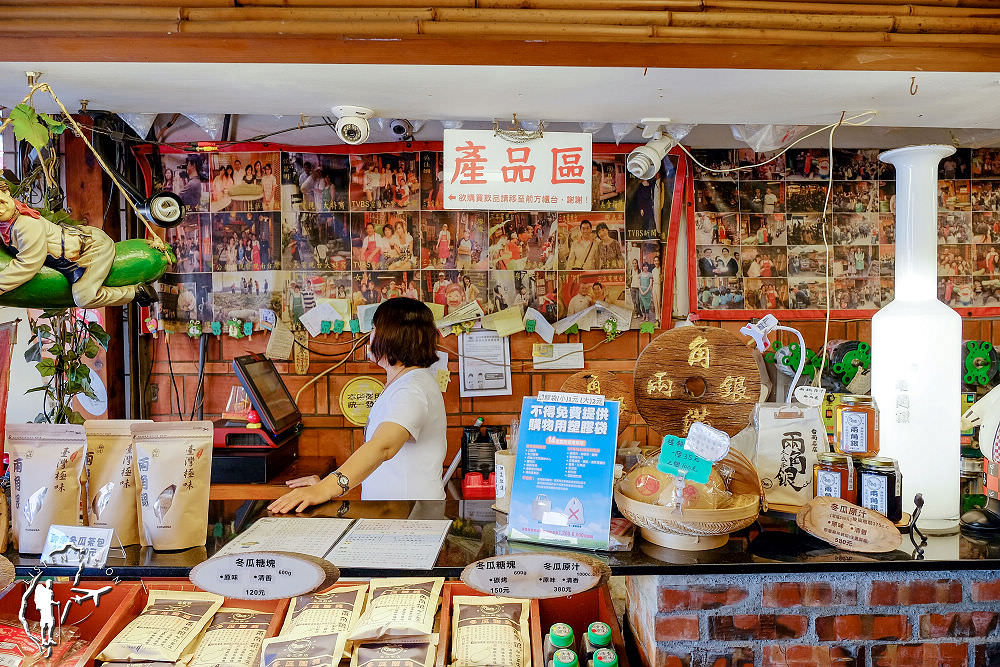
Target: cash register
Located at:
point(245, 454)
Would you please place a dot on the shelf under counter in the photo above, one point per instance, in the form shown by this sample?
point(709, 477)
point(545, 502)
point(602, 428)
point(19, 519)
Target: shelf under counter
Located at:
point(774, 545)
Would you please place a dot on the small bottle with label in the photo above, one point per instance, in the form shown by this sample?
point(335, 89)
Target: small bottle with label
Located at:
point(598, 636)
point(564, 657)
point(833, 476)
point(857, 426)
point(881, 487)
point(560, 636)
point(603, 657)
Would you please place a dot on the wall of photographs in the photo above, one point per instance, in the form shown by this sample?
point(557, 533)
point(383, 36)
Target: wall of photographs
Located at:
point(758, 241)
point(284, 230)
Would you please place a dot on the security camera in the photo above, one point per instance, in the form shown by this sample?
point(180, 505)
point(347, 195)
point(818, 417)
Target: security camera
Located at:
point(645, 161)
point(401, 128)
point(352, 123)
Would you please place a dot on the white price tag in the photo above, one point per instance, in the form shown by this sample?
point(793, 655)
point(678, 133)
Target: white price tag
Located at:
point(809, 395)
point(264, 575)
point(861, 384)
point(536, 575)
point(69, 545)
point(563, 397)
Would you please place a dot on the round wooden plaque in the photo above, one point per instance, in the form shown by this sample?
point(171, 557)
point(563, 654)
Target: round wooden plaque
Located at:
point(691, 374)
point(607, 384)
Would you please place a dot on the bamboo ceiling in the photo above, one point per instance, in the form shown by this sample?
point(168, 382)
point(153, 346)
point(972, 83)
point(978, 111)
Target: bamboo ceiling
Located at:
point(888, 23)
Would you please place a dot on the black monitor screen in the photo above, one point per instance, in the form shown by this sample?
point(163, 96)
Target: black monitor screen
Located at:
point(268, 393)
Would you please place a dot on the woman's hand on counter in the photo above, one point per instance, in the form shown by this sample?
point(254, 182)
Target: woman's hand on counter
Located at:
point(303, 497)
point(299, 482)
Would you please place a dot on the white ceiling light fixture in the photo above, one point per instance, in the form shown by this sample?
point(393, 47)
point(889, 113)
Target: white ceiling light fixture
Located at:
point(645, 161)
point(352, 123)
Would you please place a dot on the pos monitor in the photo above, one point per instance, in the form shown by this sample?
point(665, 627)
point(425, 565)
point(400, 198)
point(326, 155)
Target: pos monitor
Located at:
point(279, 416)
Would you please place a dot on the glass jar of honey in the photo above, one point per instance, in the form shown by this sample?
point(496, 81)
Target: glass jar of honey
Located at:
point(880, 487)
point(833, 476)
point(857, 426)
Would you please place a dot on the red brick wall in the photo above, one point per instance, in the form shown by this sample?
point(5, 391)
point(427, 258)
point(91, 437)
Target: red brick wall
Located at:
point(327, 432)
point(885, 620)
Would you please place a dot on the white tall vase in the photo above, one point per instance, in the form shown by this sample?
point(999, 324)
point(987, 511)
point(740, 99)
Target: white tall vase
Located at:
point(916, 343)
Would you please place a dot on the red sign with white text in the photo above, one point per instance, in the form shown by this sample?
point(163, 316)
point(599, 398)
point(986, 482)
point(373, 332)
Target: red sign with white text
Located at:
point(485, 171)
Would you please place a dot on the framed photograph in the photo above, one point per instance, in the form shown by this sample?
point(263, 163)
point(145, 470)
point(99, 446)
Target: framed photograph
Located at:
point(770, 170)
point(807, 293)
point(985, 195)
point(244, 241)
point(807, 164)
point(807, 261)
point(648, 202)
point(852, 261)
point(316, 182)
point(807, 229)
point(246, 182)
point(955, 260)
point(385, 181)
point(721, 159)
point(855, 228)
point(608, 183)
point(187, 176)
point(522, 241)
point(581, 289)
point(192, 243)
point(765, 262)
point(856, 294)
point(531, 289)
point(643, 276)
point(453, 289)
point(887, 260)
point(855, 197)
point(385, 241)
point(316, 241)
point(718, 261)
point(716, 196)
point(241, 295)
point(805, 198)
point(985, 162)
point(764, 229)
point(955, 227)
point(591, 241)
point(716, 228)
point(185, 297)
point(762, 197)
point(431, 181)
point(856, 164)
point(766, 293)
point(721, 293)
point(957, 166)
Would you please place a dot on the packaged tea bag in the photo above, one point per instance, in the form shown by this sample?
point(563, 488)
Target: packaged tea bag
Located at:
point(46, 462)
point(111, 488)
point(313, 651)
point(403, 607)
point(336, 610)
point(173, 465)
point(409, 651)
point(489, 631)
point(233, 639)
point(166, 628)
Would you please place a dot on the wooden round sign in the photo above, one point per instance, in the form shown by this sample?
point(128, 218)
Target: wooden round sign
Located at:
point(607, 384)
point(693, 374)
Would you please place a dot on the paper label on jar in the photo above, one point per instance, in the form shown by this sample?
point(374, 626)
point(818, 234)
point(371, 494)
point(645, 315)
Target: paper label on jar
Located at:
point(854, 432)
point(500, 480)
point(875, 492)
point(828, 483)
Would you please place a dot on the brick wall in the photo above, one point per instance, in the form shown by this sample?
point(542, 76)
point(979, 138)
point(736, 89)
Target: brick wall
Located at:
point(930, 619)
point(327, 433)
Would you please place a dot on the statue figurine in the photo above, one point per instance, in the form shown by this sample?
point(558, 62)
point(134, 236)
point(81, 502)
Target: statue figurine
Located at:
point(81, 253)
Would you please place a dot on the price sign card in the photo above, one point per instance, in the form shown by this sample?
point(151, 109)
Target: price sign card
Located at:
point(264, 575)
point(564, 472)
point(69, 545)
point(536, 575)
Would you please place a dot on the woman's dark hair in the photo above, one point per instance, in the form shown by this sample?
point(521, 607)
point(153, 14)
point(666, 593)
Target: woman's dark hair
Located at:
point(404, 333)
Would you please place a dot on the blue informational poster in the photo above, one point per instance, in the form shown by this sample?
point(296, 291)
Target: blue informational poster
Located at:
point(564, 473)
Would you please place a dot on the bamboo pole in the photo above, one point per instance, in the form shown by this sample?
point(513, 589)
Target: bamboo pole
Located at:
point(778, 6)
point(923, 39)
point(98, 6)
point(940, 24)
point(809, 22)
point(330, 4)
point(768, 36)
point(589, 5)
point(553, 16)
point(342, 28)
point(88, 27)
point(309, 14)
point(110, 13)
point(534, 31)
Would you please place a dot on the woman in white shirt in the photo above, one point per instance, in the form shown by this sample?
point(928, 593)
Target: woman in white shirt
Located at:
point(405, 444)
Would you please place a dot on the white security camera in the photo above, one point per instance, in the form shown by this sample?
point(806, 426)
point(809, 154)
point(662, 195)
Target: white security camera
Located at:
point(352, 123)
point(401, 128)
point(645, 161)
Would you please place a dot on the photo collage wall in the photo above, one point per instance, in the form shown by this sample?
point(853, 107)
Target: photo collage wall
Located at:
point(759, 240)
point(283, 231)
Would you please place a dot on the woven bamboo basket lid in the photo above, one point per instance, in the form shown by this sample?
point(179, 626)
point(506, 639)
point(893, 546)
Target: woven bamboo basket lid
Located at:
point(607, 384)
point(691, 374)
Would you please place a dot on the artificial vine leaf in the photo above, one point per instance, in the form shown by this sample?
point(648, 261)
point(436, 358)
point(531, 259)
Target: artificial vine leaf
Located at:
point(91, 350)
point(55, 126)
point(27, 126)
point(46, 367)
point(98, 332)
point(33, 353)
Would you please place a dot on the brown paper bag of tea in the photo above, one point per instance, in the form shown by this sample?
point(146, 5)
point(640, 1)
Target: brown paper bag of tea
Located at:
point(173, 466)
point(111, 487)
point(410, 651)
point(166, 629)
point(46, 462)
point(399, 607)
point(332, 612)
point(314, 651)
point(488, 631)
point(232, 639)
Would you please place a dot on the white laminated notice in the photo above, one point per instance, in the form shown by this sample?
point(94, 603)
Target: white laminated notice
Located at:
point(707, 442)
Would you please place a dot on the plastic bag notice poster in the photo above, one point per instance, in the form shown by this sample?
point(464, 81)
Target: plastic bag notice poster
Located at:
point(564, 473)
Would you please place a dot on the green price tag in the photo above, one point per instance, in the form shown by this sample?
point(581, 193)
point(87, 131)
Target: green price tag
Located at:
point(355, 326)
point(646, 327)
point(338, 326)
point(529, 326)
point(675, 460)
point(325, 326)
point(247, 328)
point(216, 328)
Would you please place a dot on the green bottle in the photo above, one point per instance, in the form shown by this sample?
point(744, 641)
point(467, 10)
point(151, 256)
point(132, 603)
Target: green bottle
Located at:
point(560, 636)
point(604, 657)
point(598, 636)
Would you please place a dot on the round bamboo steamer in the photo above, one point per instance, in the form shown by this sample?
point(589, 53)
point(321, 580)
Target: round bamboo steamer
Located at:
point(607, 384)
point(704, 374)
